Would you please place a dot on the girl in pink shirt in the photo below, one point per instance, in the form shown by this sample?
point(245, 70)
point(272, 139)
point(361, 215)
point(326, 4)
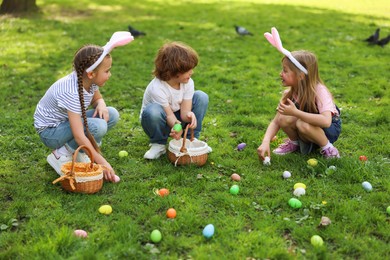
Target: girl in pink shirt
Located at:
point(306, 112)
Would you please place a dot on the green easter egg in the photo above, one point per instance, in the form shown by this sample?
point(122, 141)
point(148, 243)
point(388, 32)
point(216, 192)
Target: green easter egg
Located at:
point(234, 189)
point(316, 240)
point(123, 153)
point(295, 203)
point(156, 236)
point(177, 127)
point(388, 210)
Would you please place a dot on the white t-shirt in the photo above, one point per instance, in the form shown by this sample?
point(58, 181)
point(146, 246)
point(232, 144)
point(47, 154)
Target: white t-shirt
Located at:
point(60, 98)
point(160, 92)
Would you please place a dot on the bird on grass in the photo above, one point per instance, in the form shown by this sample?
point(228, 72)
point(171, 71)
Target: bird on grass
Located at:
point(384, 41)
point(242, 31)
point(373, 39)
point(135, 32)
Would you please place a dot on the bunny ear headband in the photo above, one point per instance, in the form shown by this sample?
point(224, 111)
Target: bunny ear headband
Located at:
point(117, 39)
point(274, 39)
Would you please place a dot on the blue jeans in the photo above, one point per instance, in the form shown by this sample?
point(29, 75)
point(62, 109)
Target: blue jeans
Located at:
point(154, 118)
point(56, 137)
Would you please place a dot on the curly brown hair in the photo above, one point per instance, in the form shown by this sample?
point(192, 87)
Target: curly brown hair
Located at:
point(174, 58)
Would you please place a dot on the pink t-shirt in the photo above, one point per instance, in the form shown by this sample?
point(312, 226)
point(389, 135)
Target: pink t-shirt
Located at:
point(324, 100)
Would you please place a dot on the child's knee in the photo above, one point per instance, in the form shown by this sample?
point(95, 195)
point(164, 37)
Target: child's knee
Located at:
point(201, 98)
point(153, 112)
point(286, 121)
point(303, 127)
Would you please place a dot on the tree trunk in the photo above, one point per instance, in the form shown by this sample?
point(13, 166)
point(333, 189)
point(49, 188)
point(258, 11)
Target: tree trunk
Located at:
point(18, 6)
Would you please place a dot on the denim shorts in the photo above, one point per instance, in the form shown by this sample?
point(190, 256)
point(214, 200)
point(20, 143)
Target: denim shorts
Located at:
point(332, 133)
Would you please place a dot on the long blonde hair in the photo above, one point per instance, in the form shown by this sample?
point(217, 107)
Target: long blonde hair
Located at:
point(306, 89)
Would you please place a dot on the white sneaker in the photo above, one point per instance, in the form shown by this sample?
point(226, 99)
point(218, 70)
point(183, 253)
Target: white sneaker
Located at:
point(57, 163)
point(82, 157)
point(155, 151)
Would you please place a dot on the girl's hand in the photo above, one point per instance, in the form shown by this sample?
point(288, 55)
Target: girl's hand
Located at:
point(193, 123)
point(263, 151)
point(288, 109)
point(108, 172)
point(176, 134)
point(101, 110)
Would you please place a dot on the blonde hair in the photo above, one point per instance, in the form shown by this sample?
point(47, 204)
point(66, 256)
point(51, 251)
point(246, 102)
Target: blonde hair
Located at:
point(306, 89)
point(83, 59)
point(174, 58)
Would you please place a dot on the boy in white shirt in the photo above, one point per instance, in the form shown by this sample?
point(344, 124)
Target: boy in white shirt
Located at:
point(170, 98)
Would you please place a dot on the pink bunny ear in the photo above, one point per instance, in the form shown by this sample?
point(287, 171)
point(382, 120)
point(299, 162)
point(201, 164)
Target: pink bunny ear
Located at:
point(269, 37)
point(278, 42)
point(275, 40)
point(117, 39)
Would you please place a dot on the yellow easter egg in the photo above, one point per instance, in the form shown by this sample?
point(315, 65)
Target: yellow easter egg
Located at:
point(105, 209)
point(299, 185)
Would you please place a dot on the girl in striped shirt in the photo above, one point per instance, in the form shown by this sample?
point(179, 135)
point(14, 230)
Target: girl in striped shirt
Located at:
point(62, 118)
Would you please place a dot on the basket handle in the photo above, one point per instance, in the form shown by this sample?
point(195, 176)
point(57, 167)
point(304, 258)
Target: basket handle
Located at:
point(87, 150)
point(183, 148)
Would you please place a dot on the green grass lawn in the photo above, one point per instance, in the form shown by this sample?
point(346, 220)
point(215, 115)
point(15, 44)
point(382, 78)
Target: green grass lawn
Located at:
point(241, 76)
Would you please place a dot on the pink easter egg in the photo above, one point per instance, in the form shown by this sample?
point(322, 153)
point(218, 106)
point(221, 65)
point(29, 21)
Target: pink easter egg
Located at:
point(80, 233)
point(235, 177)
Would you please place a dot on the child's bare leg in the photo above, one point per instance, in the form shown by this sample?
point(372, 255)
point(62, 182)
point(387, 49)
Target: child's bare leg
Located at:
point(312, 134)
point(288, 125)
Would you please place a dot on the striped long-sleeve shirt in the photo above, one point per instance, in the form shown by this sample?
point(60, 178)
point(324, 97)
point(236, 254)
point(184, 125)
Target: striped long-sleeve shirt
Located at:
point(60, 98)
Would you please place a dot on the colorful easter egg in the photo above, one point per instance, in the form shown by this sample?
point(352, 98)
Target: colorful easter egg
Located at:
point(295, 203)
point(286, 174)
point(367, 186)
point(363, 158)
point(80, 233)
point(123, 153)
point(116, 178)
point(105, 209)
point(235, 177)
point(299, 185)
point(177, 127)
point(163, 192)
point(316, 241)
point(234, 189)
point(156, 236)
point(171, 213)
point(299, 191)
point(312, 162)
point(241, 146)
point(208, 231)
point(267, 161)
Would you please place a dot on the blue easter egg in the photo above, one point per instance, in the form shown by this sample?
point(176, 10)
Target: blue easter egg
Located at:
point(367, 186)
point(208, 231)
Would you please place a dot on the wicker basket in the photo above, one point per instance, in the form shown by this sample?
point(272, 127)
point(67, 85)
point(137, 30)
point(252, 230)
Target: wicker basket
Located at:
point(81, 177)
point(184, 151)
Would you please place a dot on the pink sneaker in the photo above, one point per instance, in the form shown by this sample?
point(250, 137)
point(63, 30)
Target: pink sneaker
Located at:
point(285, 148)
point(330, 152)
